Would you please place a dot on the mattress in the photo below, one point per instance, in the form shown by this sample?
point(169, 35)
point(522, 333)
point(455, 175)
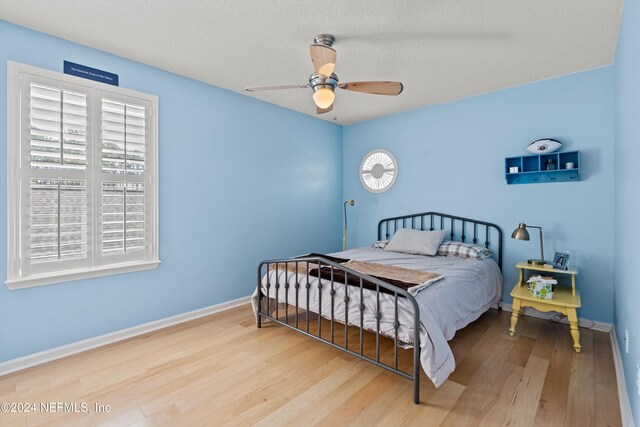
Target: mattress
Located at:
point(469, 288)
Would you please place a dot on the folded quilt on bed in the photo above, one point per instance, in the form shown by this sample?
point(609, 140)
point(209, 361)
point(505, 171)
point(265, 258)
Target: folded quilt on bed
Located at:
point(404, 278)
point(407, 279)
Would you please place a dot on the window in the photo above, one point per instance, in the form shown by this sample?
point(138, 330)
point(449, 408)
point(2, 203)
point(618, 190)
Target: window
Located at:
point(82, 187)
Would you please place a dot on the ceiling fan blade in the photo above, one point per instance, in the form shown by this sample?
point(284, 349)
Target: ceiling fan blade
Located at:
point(323, 110)
point(323, 59)
point(261, 88)
point(377, 88)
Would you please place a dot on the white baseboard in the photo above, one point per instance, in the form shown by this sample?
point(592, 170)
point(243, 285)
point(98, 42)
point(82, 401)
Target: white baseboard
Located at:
point(45, 356)
point(584, 323)
point(625, 406)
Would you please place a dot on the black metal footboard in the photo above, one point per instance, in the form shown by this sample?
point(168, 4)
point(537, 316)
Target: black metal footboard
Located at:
point(297, 285)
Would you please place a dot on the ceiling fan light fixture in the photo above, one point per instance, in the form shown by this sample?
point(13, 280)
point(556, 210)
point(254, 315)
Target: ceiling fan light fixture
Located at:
point(327, 69)
point(324, 82)
point(323, 96)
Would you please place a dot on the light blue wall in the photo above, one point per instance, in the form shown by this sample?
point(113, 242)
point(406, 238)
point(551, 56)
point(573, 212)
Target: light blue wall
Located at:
point(451, 159)
point(627, 195)
point(240, 180)
point(256, 164)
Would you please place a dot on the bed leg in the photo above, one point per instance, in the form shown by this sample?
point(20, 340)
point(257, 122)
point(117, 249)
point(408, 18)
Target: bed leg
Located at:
point(416, 373)
point(500, 305)
point(416, 352)
point(258, 317)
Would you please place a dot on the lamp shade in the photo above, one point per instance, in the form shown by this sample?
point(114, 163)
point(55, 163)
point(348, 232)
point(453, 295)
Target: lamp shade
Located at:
point(323, 96)
point(521, 232)
point(326, 69)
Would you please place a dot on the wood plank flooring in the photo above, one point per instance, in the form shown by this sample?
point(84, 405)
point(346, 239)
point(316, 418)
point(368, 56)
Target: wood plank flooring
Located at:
point(222, 370)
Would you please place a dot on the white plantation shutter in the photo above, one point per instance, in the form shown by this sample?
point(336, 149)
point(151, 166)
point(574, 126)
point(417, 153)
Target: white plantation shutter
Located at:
point(123, 217)
point(58, 123)
point(54, 177)
point(123, 214)
point(58, 220)
point(82, 199)
point(123, 137)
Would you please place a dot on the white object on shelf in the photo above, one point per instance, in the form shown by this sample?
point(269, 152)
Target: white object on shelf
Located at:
point(544, 146)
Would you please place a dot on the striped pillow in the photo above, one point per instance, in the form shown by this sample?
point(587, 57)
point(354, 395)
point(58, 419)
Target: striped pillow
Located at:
point(463, 250)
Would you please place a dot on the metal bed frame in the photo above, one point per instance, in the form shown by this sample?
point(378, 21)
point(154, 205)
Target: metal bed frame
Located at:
point(420, 221)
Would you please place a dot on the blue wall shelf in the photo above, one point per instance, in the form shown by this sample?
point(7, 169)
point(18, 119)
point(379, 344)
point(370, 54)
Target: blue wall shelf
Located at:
point(534, 169)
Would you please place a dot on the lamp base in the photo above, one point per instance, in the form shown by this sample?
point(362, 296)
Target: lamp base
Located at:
point(535, 262)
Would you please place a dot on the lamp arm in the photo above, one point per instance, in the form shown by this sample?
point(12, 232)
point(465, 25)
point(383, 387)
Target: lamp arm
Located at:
point(541, 244)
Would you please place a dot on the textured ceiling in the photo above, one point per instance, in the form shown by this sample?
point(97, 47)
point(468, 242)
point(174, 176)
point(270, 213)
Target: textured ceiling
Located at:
point(440, 50)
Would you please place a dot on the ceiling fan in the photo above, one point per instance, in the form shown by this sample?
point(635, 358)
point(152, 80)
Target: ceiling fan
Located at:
point(324, 82)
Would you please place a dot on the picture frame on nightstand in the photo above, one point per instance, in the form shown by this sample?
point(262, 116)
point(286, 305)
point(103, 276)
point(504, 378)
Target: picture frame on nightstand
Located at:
point(561, 260)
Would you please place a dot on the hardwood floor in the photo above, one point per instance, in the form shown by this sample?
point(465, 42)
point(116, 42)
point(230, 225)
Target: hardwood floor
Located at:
point(221, 370)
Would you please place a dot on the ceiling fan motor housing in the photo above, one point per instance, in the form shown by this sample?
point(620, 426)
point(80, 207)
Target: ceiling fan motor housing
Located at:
point(325, 39)
point(316, 81)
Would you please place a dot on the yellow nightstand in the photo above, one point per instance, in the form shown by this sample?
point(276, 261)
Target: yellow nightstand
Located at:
point(565, 299)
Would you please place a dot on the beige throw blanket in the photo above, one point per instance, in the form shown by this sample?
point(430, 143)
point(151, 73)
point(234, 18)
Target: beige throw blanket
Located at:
point(406, 275)
point(404, 278)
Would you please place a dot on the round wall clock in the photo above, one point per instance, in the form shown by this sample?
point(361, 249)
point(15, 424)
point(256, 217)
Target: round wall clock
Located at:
point(378, 171)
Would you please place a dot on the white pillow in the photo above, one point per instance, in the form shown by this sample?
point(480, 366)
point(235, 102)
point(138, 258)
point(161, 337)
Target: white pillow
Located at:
point(416, 242)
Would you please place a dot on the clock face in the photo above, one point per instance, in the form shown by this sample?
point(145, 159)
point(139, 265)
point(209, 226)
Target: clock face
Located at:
point(378, 171)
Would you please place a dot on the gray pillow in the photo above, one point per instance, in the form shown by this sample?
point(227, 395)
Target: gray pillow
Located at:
point(416, 242)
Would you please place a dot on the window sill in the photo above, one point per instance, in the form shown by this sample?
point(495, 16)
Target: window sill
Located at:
point(85, 273)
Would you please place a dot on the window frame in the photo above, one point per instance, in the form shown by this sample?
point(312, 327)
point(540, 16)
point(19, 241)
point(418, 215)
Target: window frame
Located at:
point(15, 203)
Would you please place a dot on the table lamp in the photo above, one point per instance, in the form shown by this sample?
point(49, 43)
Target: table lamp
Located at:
point(521, 233)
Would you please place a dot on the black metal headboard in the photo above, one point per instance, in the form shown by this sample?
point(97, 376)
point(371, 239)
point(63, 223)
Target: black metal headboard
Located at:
point(439, 221)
